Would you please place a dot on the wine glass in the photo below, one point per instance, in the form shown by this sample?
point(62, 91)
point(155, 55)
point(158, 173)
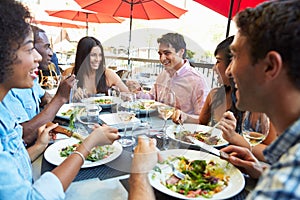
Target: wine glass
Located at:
point(147, 104)
point(255, 127)
point(166, 109)
point(126, 113)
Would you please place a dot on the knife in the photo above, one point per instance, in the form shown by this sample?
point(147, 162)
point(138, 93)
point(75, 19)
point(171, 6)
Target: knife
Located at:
point(209, 148)
point(67, 132)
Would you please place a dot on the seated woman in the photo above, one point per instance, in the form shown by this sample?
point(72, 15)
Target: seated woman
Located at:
point(18, 68)
point(90, 69)
point(222, 99)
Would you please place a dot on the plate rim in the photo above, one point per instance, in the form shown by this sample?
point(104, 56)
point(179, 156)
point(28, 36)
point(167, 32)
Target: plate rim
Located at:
point(184, 152)
point(67, 105)
point(172, 136)
point(87, 164)
point(143, 111)
point(105, 97)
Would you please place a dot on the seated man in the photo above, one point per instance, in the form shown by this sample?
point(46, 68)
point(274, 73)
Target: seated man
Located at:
point(48, 73)
point(189, 86)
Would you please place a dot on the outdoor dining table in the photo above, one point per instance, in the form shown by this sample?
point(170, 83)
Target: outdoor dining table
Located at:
point(110, 181)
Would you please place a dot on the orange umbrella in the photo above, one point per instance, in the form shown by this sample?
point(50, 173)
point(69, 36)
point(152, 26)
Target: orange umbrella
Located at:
point(84, 16)
point(58, 23)
point(139, 9)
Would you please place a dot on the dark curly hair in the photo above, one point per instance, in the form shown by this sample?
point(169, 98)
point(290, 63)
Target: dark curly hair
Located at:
point(13, 31)
point(174, 39)
point(274, 26)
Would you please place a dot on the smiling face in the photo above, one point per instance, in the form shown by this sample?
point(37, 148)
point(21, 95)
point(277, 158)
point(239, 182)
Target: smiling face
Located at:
point(220, 68)
point(42, 45)
point(25, 66)
point(248, 77)
point(168, 56)
point(95, 57)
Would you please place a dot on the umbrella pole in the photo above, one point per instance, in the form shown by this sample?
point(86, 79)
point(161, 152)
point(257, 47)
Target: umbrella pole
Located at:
point(87, 24)
point(229, 18)
point(130, 28)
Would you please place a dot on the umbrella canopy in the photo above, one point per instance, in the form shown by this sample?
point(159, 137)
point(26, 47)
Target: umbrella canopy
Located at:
point(84, 16)
point(41, 17)
point(139, 9)
point(58, 23)
point(229, 8)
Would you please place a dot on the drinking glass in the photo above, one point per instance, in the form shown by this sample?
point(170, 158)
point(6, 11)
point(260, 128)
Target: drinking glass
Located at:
point(126, 113)
point(89, 114)
point(166, 109)
point(147, 104)
point(255, 127)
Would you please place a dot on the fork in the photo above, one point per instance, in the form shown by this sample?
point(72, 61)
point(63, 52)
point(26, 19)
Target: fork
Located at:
point(181, 124)
point(212, 128)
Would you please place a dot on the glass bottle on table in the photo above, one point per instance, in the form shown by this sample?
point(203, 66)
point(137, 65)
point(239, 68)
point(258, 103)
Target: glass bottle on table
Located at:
point(255, 127)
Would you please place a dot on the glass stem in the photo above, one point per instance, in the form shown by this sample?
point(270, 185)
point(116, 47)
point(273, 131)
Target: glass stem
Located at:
point(125, 130)
point(165, 122)
point(165, 138)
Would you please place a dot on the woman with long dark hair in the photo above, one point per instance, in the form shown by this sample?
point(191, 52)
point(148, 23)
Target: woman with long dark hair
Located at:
point(90, 69)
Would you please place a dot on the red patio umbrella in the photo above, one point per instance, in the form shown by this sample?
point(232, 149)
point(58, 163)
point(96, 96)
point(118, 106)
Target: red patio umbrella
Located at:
point(139, 9)
point(229, 8)
point(58, 23)
point(84, 16)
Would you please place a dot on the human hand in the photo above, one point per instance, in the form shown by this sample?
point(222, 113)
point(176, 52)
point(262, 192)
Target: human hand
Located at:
point(79, 94)
point(227, 125)
point(101, 135)
point(243, 159)
point(65, 87)
point(178, 116)
point(45, 135)
point(133, 86)
point(145, 155)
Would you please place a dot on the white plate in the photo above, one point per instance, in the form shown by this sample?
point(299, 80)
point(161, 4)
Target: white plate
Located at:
point(236, 181)
point(52, 153)
point(112, 119)
point(114, 100)
point(67, 107)
point(143, 111)
point(196, 127)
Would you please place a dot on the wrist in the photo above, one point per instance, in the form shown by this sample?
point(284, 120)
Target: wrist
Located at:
point(40, 146)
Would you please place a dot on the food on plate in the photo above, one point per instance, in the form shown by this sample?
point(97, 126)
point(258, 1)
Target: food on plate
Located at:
point(97, 153)
point(199, 135)
point(67, 113)
point(144, 105)
point(202, 178)
point(104, 101)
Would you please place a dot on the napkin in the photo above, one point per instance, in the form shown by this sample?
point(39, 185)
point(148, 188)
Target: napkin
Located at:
point(94, 189)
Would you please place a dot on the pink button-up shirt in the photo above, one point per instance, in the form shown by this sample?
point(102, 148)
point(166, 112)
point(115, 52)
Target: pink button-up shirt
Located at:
point(189, 86)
